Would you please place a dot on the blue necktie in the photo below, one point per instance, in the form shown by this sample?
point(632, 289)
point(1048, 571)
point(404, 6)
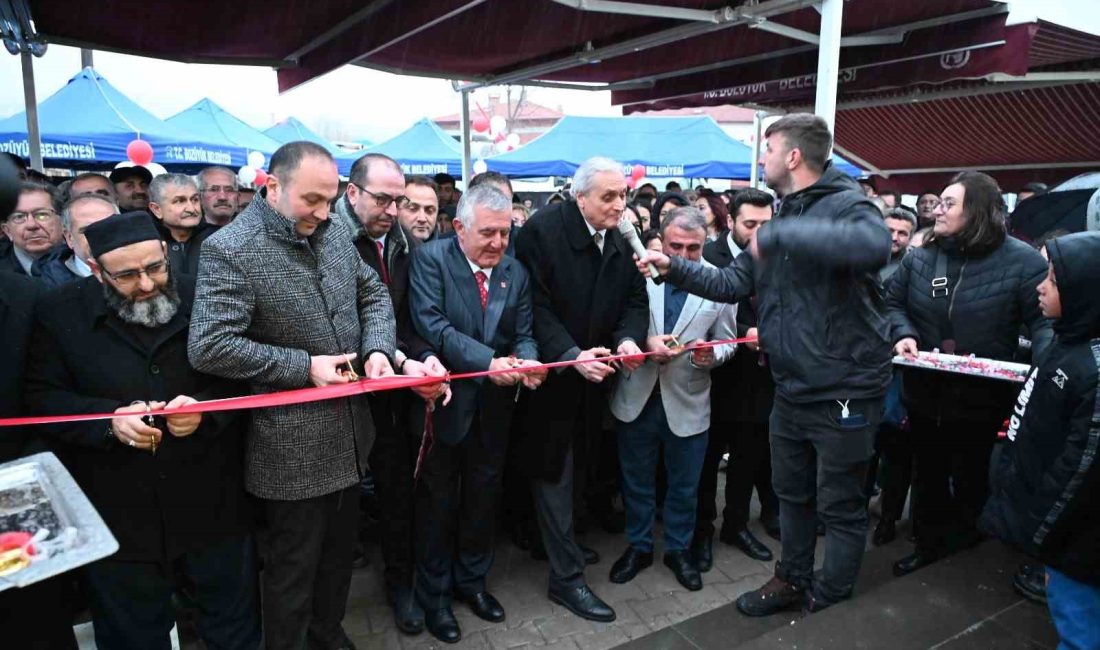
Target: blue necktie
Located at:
point(675, 297)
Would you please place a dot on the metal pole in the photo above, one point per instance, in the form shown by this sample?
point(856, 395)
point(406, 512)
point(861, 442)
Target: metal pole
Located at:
point(31, 102)
point(86, 59)
point(758, 129)
point(828, 60)
point(466, 164)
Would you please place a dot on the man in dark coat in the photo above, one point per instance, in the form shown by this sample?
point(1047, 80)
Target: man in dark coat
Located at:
point(1046, 489)
point(473, 305)
point(170, 489)
point(369, 210)
point(68, 261)
point(828, 344)
point(39, 615)
point(741, 401)
point(588, 303)
point(177, 209)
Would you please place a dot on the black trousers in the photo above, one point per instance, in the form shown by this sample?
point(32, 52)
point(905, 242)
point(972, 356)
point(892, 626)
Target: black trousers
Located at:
point(131, 602)
point(307, 547)
point(749, 466)
point(39, 616)
point(392, 461)
point(819, 466)
point(892, 466)
point(951, 482)
point(456, 500)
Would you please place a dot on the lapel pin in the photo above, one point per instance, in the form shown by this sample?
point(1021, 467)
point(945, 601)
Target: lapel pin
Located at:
point(503, 284)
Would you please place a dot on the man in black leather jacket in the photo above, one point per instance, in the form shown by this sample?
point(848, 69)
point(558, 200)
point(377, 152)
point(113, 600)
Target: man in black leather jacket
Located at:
point(814, 269)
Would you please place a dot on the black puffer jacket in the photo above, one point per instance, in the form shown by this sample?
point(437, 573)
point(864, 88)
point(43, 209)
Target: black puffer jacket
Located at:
point(822, 318)
point(1046, 488)
point(989, 298)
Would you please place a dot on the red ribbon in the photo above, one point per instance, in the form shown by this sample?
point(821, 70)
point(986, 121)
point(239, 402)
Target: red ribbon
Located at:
point(335, 391)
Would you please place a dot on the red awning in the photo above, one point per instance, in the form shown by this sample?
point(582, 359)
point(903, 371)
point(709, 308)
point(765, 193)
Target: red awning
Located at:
point(490, 41)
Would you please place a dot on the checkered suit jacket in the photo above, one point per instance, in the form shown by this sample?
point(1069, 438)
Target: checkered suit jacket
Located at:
point(267, 300)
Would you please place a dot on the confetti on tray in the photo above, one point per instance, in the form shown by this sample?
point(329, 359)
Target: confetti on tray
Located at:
point(971, 365)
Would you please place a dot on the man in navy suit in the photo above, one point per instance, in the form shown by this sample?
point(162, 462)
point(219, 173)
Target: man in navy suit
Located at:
point(473, 307)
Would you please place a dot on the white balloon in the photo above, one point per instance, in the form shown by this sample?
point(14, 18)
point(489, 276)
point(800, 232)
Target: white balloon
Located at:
point(124, 164)
point(246, 175)
point(497, 124)
point(512, 139)
point(480, 167)
point(501, 146)
point(255, 160)
point(485, 150)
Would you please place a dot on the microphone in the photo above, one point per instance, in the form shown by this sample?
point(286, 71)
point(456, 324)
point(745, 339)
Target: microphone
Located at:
point(626, 229)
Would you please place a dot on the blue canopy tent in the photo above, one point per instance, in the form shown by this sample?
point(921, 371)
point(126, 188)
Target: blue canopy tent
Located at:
point(682, 147)
point(292, 129)
point(423, 148)
point(88, 123)
point(215, 123)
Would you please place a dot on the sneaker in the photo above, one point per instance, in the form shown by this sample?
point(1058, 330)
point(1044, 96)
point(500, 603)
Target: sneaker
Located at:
point(775, 596)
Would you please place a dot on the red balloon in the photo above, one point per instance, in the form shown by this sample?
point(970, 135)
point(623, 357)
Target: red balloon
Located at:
point(637, 172)
point(500, 138)
point(481, 124)
point(139, 152)
point(261, 178)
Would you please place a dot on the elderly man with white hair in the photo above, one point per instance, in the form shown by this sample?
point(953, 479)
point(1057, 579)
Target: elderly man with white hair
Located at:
point(588, 303)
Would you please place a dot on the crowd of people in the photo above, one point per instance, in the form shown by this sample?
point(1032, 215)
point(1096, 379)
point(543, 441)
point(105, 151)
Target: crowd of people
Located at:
point(130, 294)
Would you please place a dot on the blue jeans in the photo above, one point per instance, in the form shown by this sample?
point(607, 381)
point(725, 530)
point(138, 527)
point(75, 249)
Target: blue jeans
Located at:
point(639, 444)
point(1075, 608)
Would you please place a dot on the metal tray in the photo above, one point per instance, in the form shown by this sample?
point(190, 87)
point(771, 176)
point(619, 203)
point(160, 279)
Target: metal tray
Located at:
point(38, 492)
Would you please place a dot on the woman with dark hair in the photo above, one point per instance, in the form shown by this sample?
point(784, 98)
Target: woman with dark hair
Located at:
point(716, 212)
point(666, 202)
point(968, 290)
point(630, 213)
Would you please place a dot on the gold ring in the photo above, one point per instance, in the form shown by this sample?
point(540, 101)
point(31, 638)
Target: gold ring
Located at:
point(133, 444)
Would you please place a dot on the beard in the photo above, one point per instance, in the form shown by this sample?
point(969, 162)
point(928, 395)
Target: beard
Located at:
point(154, 312)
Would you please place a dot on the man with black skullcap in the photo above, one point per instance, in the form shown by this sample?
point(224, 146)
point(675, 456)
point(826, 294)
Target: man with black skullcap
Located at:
point(170, 488)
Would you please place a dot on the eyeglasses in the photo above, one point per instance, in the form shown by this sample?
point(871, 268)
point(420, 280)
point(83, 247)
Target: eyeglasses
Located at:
point(41, 216)
point(429, 210)
point(218, 189)
point(946, 205)
point(383, 200)
point(131, 277)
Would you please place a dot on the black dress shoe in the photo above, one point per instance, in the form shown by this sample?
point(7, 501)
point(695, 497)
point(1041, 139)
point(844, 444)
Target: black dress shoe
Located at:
point(911, 563)
point(1030, 582)
point(407, 613)
point(442, 624)
point(590, 556)
point(582, 602)
point(684, 569)
point(702, 552)
point(885, 532)
point(629, 565)
point(748, 544)
point(485, 606)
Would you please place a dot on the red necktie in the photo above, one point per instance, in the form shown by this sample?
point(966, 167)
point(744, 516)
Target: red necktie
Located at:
point(482, 288)
point(382, 262)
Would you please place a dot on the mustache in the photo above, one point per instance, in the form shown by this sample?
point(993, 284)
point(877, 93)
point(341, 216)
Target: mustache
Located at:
point(221, 202)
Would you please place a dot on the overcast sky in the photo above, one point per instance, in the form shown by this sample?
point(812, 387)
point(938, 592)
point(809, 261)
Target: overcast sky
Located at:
point(358, 102)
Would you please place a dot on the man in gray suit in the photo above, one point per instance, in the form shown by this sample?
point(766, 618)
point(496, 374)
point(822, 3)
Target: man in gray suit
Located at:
point(283, 302)
point(472, 304)
point(666, 403)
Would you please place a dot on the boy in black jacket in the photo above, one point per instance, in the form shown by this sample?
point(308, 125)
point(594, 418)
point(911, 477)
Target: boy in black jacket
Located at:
point(1046, 491)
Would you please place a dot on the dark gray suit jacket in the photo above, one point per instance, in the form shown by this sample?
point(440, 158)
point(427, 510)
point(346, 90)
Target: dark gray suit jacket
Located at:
point(446, 312)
